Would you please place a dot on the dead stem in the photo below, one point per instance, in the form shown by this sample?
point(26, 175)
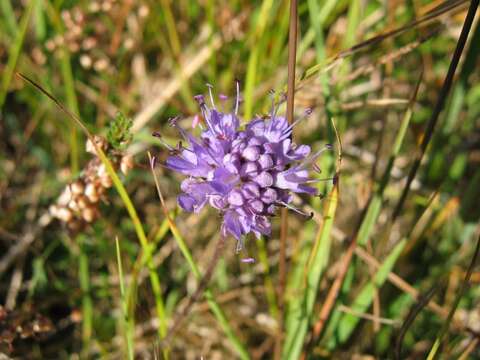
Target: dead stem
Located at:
point(292, 54)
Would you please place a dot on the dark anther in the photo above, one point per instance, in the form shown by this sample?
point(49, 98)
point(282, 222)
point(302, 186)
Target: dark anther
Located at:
point(317, 169)
point(329, 146)
point(156, 134)
point(335, 179)
point(173, 121)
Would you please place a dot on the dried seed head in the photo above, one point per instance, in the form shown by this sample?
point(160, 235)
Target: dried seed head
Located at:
point(73, 205)
point(50, 45)
point(77, 187)
point(126, 164)
point(106, 181)
point(73, 47)
point(64, 214)
point(65, 197)
point(53, 210)
point(89, 43)
point(101, 64)
point(86, 61)
point(75, 225)
point(88, 214)
point(59, 40)
point(101, 171)
point(82, 201)
point(129, 43)
point(143, 11)
point(99, 141)
point(106, 6)
point(91, 192)
point(94, 7)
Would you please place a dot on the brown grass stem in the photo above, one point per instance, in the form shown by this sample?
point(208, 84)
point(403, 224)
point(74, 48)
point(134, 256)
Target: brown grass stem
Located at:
point(292, 55)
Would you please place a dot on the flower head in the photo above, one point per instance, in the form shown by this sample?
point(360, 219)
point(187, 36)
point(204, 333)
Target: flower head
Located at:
point(245, 173)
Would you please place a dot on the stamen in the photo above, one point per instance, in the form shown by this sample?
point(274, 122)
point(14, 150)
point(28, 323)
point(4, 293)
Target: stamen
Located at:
point(313, 181)
point(160, 138)
point(237, 100)
point(239, 246)
point(317, 169)
point(153, 162)
point(173, 121)
point(298, 211)
point(313, 157)
point(276, 107)
point(272, 95)
point(211, 95)
point(200, 99)
point(195, 121)
point(203, 107)
point(306, 114)
point(248, 260)
point(222, 98)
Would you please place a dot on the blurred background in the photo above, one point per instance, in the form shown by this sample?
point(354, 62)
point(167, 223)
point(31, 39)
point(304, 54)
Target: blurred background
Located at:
point(82, 278)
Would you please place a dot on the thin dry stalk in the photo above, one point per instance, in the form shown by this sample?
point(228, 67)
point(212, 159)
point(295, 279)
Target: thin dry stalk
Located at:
point(292, 54)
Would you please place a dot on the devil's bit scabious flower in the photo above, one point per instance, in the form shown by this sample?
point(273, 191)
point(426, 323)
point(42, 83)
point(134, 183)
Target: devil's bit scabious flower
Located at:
point(246, 174)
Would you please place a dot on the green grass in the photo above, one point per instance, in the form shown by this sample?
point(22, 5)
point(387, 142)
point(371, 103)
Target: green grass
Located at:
point(401, 219)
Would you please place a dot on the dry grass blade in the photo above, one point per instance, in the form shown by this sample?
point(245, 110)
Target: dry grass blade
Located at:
point(329, 63)
point(442, 98)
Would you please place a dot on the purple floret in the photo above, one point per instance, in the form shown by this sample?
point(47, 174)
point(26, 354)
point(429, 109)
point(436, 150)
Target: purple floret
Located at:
point(246, 174)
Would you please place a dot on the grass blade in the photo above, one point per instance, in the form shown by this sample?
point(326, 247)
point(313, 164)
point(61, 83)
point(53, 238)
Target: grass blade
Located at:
point(375, 204)
point(252, 65)
point(126, 320)
point(9, 17)
point(154, 278)
point(14, 50)
point(362, 302)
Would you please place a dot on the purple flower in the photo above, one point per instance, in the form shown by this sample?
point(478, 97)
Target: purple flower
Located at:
point(245, 173)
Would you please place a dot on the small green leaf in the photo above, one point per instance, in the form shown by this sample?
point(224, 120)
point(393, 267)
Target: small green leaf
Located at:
point(119, 132)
